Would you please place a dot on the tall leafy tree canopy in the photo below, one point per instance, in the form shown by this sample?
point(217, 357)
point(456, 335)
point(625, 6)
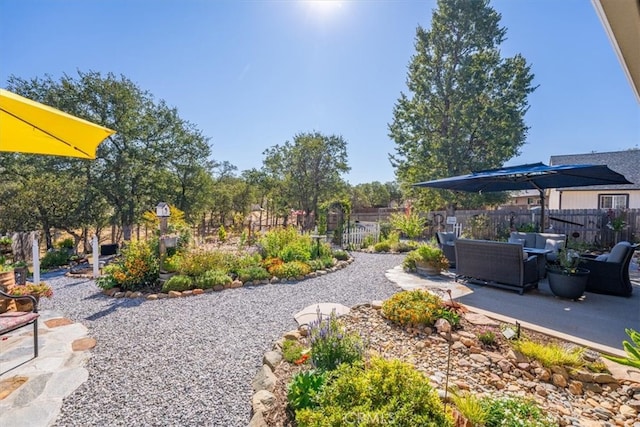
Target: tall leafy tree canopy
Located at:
point(466, 104)
point(154, 155)
point(309, 169)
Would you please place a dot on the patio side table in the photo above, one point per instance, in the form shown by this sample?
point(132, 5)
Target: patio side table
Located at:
point(541, 259)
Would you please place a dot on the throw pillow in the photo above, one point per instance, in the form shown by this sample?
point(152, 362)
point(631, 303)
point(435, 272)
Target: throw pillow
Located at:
point(516, 240)
point(553, 245)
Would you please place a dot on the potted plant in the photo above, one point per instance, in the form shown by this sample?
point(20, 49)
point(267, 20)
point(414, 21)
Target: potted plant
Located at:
point(431, 260)
point(36, 291)
point(566, 279)
point(5, 244)
point(20, 270)
point(7, 277)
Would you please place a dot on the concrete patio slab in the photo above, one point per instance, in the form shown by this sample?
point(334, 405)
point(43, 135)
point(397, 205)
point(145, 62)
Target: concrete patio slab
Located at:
point(596, 321)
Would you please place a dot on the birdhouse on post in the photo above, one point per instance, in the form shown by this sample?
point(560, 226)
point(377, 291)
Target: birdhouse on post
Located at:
point(162, 210)
point(163, 213)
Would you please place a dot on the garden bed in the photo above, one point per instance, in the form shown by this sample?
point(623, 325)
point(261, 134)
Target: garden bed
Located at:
point(588, 398)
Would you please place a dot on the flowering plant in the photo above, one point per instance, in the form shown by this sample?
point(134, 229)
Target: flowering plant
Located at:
point(332, 345)
point(39, 290)
point(616, 223)
point(568, 261)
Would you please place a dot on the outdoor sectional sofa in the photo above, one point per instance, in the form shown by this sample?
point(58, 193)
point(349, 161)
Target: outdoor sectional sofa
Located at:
point(499, 264)
point(553, 242)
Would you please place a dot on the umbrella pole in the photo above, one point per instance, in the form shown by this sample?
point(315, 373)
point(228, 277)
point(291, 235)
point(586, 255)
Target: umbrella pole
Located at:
point(541, 210)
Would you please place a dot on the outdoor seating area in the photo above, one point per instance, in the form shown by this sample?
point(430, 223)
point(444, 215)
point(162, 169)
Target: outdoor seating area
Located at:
point(522, 261)
point(501, 264)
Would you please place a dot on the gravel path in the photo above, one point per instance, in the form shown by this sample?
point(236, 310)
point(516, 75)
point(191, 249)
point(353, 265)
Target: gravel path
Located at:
point(190, 361)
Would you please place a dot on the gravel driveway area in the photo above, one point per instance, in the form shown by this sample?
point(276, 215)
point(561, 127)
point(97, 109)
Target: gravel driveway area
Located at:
point(190, 361)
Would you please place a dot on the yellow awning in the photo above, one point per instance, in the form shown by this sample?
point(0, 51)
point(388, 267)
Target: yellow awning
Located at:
point(27, 126)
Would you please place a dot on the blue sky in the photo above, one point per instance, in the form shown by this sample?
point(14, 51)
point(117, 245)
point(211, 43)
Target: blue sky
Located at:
point(252, 74)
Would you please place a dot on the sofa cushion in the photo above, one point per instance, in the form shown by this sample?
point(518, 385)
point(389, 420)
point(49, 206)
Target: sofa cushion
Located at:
point(541, 239)
point(602, 257)
point(516, 240)
point(529, 238)
point(446, 236)
point(618, 252)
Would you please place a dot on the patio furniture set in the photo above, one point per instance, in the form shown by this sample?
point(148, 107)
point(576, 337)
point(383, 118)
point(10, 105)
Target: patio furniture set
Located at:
point(520, 263)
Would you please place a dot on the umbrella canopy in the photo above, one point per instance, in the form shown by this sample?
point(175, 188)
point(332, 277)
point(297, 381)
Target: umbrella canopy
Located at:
point(27, 126)
point(530, 176)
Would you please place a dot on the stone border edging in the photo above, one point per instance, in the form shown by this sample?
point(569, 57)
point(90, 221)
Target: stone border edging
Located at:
point(117, 293)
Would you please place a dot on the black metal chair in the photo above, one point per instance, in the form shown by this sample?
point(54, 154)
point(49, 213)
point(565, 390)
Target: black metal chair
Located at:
point(12, 320)
point(609, 273)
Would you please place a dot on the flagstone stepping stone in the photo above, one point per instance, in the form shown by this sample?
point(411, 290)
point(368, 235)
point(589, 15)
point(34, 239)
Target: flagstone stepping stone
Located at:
point(310, 313)
point(480, 319)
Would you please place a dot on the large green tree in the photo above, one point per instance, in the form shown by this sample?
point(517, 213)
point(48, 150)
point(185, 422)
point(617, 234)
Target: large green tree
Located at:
point(309, 169)
point(466, 104)
point(154, 155)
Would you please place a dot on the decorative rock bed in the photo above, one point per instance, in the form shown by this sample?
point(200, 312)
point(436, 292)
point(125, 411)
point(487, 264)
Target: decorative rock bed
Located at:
point(575, 397)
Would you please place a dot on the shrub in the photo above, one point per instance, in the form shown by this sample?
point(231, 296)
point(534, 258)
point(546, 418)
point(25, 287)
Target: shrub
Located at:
point(292, 269)
point(325, 250)
point(67, 243)
point(316, 264)
point(292, 350)
point(341, 255)
point(138, 266)
point(412, 307)
point(327, 261)
point(551, 354)
point(487, 337)
point(515, 412)
point(403, 247)
point(388, 392)
point(297, 250)
point(171, 264)
point(369, 240)
point(213, 278)
point(273, 241)
point(449, 315)
point(235, 263)
point(409, 262)
point(471, 406)
point(411, 225)
point(195, 263)
point(383, 246)
point(250, 274)
point(303, 389)
point(385, 229)
point(107, 280)
point(177, 283)
point(331, 345)
point(54, 258)
point(222, 234)
point(271, 264)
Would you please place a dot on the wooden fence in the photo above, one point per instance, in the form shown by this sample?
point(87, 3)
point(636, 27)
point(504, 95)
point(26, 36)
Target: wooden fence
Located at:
point(595, 227)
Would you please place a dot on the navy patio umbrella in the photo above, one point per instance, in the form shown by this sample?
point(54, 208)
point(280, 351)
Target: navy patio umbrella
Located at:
point(534, 176)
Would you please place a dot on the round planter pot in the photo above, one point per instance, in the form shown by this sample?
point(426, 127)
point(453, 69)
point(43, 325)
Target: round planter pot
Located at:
point(425, 269)
point(569, 286)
